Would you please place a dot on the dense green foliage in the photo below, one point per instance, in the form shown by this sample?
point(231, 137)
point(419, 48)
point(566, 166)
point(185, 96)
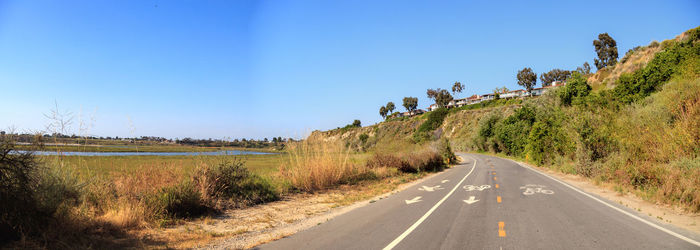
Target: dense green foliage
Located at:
point(678, 58)
point(179, 201)
point(575, 89)
point(643, 134)
point(233, 183)
point(486, 131)
point(511, 134)
point(434, 121)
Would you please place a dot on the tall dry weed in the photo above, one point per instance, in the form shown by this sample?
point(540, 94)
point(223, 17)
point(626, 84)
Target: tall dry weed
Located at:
point(319, 165)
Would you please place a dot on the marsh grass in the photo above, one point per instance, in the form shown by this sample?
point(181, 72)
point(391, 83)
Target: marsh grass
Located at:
point(317, 165)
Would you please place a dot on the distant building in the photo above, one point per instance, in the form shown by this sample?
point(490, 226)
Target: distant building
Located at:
point(487, 97)
point(432, 107)
point(512, 94)
point(473, 99)
point(418, 112)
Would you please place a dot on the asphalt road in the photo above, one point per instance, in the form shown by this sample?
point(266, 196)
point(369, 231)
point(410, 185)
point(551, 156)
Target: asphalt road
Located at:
point(490, 203)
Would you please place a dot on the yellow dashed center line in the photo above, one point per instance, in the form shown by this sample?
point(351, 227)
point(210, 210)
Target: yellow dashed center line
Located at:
point(494, 178)
point(496, 185)
point(498, 198)
point(501, 229)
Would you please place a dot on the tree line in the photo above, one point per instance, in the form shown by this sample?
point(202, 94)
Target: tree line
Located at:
point(605, 47)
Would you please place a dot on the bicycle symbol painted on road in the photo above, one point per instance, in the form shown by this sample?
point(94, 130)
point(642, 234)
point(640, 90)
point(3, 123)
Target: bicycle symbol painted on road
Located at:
point(477, 188)
point(531, 189)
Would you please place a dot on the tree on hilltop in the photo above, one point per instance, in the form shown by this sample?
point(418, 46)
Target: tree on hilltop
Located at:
point(441, 97)
point(527, 78)
point(390, 107)
point(410, 103)
point(585, 69)
point(457, 88)
point(383, 112)
point(606, 48)
point(554, 75)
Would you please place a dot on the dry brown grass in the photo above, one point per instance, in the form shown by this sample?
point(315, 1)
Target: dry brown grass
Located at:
point(604, 78)
point(425, 159)
point(316, 165)
point(127, 214)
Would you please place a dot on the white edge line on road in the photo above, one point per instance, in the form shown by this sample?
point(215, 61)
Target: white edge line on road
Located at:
point(677, 235)
point(425, 216)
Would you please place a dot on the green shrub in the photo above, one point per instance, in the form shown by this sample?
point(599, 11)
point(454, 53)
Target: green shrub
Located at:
point(179, 201)
point(434, 121)
point(576, 87)
point(32, 195)
point(594, 143)
point(231, 184)
point(58, 189)
point(511, 133)
point(487, 127)
point(546, 138)
point(446, 152)
point(511, 136)
point(19, 209)
point(363, 138)
point(641, 83)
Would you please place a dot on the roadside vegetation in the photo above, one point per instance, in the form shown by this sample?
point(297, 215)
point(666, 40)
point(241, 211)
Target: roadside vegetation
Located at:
point(96, 202)
point(634, 124)
point(107, 202)
point(641, 135)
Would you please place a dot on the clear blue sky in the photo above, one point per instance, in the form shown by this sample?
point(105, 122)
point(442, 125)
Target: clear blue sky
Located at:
point(255, 69)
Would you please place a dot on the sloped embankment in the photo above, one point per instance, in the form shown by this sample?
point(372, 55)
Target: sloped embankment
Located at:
point(639, 134)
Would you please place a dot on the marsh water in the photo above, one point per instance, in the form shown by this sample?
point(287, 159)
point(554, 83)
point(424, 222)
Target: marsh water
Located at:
point(223, 152)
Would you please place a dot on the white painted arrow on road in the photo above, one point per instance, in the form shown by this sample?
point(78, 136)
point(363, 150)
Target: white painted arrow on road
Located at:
point(429, 189)
point(414, 200)
point(471, 200)
point(443, 181)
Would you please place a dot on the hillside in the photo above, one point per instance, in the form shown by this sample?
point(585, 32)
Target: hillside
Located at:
point(635, 126)
point(634, 59)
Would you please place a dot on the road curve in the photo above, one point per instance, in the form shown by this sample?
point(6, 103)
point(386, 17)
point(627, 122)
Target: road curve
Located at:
point(490, 203)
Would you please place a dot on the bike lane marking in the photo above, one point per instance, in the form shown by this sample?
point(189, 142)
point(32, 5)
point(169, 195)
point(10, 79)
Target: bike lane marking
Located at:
point(425, 216)
point(660, 228)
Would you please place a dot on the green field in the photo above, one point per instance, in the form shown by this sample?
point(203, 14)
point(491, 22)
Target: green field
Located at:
point(109, 166)
point(136, 148)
